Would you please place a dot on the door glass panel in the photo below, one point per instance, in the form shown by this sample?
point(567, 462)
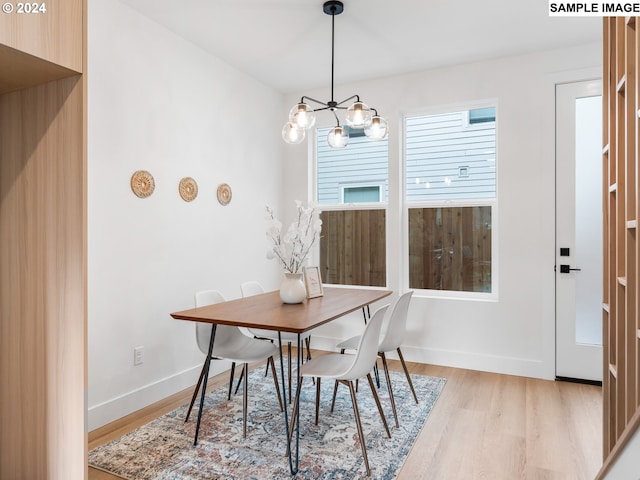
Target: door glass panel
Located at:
point(588, 235)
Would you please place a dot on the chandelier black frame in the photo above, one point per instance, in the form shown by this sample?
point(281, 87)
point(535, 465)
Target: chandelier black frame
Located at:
point(358, 115)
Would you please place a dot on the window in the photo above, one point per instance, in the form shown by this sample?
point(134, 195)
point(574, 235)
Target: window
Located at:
point(351, 185)
point(482, 115)
point(369, 193)
point(450, 195)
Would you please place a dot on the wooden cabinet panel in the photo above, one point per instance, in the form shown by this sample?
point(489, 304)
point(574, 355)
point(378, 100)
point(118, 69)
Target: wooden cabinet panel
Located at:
point(42, 282)
point(43, 244)
point(55, 35)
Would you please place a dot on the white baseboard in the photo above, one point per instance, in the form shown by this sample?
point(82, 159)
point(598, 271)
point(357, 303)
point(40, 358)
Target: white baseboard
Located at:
point(118, 407)
point(522, 367)
point(113, 409)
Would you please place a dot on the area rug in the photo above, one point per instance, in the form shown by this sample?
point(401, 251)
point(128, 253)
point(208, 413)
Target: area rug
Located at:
point(163, 449)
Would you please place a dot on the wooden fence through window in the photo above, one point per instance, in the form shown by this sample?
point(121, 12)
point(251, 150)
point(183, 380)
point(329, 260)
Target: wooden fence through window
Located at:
point(450, 248)
point(353, 247)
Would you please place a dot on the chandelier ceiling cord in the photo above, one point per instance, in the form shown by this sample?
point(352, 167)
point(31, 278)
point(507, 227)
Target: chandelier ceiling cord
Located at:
point(358, 115)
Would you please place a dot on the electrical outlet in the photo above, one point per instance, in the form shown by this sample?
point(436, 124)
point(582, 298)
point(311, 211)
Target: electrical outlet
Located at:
point(138, 355)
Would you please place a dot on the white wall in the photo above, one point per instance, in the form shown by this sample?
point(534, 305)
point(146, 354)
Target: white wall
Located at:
point(158, 103)
point(514, 334)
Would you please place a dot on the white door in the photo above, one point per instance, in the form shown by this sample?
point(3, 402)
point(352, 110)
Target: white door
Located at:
point(579, 230)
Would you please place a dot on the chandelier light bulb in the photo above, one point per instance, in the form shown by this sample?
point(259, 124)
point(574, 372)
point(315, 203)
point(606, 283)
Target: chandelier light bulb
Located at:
point(377, 128)
point(302, 115)
point(358, 115)
point(338, 137)
point(292, 134)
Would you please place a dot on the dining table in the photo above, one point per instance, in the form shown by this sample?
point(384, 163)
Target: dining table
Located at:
point(268, 311)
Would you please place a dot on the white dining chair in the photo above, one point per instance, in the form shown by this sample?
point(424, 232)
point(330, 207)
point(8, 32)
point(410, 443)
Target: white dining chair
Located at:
point(231, 344)
point(251, 288)
point(344, 369)
point(394, 327)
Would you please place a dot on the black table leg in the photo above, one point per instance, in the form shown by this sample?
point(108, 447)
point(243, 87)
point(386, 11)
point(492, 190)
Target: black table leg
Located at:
point(207, 363)
point(293, 468)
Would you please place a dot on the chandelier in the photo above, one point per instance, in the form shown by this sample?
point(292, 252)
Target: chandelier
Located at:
point(358, 115)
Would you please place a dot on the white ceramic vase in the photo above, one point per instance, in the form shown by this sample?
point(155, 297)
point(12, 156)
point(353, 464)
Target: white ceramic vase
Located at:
point(292, 290)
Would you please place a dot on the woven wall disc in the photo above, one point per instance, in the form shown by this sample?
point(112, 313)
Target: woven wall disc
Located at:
point(142, 183)
point(188, 189)
point(224, 194)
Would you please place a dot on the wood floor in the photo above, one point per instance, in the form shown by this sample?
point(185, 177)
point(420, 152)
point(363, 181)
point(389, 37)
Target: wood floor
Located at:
point(483, 426)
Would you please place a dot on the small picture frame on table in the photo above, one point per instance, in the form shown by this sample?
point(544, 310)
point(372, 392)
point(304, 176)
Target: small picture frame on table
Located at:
point(313, 282)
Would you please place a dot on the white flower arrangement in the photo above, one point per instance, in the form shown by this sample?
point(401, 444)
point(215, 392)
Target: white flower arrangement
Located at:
point(292, 248)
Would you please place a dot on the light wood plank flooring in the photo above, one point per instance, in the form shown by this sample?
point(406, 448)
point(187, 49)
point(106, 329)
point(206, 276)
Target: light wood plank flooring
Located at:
point(483, 426)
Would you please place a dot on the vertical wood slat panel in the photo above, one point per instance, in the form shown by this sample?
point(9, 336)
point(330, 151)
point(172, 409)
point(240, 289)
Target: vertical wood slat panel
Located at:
point(620, 225)
point(630, 221)
point(608, 304)
point(633, 200)
point(613, 283)
point(606, 86)
point(620, 192)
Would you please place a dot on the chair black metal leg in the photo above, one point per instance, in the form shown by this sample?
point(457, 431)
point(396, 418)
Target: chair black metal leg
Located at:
point(275, 380)
point(376, 373)
point(388, 379)
point(352, 391)
point(406, 372)
point(296, 405)
point(335, 391)
point(239, 382)
point(308, 342)
point(195, 393)
point(233, 370)
point(377, 399)
point(317, 399)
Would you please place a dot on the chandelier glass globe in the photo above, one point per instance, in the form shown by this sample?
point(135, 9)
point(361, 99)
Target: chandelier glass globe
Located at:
point(377, 128)
point(292, 133)
point(302, 115)
point(358, 115)
point(338, 137)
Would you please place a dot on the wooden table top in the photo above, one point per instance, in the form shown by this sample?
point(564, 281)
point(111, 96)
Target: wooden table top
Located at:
point(267, 311)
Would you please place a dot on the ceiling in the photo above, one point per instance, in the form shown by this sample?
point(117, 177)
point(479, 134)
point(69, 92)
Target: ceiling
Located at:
point(287, 43)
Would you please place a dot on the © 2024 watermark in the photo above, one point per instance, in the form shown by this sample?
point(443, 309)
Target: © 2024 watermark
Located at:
point(22, 8)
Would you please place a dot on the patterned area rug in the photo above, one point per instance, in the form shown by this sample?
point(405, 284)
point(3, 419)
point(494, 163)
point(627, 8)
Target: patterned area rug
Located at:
point(163, 448)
